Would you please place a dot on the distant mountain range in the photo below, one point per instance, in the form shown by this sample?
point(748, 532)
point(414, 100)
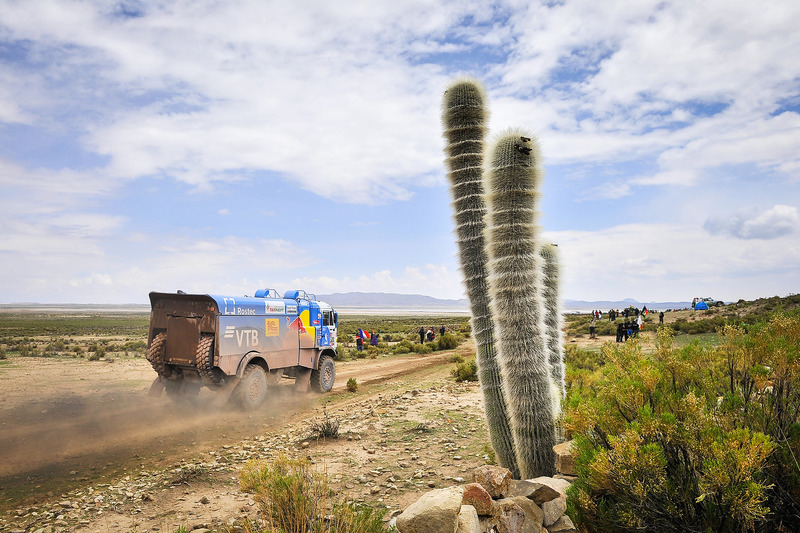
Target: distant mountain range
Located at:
point(377, 300)
point(369, 301)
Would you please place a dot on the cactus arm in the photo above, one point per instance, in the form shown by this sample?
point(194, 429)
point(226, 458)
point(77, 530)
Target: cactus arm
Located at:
point(515, 284)
point(554, 322)
point(464, 118)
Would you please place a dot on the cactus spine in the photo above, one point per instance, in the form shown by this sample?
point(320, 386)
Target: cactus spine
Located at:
point(464, 117)
point(515, 285)
point(553, 321)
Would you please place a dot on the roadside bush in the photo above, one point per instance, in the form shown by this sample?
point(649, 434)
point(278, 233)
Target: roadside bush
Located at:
point(696, 439)
point(352, 385)
point(466, 371)
point(3, 353)
point(294, 498)
point(423, 349)
point(447, 341)
point(456, 358)
point(404, 346)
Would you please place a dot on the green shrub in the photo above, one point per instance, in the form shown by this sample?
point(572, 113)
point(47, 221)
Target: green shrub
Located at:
point(404, 346)
point(696, 438)
point(423, 349)
point(447, 342)
point(466, 371)
point(456, 358)
point(294, 498)
point(352, 385)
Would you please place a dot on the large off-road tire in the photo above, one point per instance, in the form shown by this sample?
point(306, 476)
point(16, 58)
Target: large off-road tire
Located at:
point(322, 379)
point(204, 359)
point(251, 390)
point(155, 354)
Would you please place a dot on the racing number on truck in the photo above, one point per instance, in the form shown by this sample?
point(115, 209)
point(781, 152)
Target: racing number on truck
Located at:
point(272, 327)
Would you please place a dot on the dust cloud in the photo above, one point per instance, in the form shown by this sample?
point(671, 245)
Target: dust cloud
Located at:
point(79, 436)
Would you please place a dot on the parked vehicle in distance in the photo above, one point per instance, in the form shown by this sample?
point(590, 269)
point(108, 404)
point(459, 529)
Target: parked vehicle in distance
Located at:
point(710, 302)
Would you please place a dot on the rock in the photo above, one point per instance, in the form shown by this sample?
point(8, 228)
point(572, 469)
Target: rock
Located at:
point(537, 492)
point(204, 500)
point(495, 479)
point(563, 525)
point(434, 512)
point(565, 462)
point(509, 517)
point(468, 520)
point(476, 496)
point(555, 508)
point(534, 516)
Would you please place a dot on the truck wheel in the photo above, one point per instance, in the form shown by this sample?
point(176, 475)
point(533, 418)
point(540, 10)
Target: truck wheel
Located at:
point(155, 354)
point(204, 359)
point(252, 389)
point(323, 378)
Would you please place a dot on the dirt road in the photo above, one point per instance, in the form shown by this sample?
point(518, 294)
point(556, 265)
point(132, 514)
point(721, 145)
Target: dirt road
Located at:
point(69, 421)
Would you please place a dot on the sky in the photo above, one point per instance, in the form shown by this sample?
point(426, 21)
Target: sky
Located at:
point(222, 147)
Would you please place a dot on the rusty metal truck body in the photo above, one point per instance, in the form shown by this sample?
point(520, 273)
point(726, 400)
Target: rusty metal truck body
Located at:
point(241, 344)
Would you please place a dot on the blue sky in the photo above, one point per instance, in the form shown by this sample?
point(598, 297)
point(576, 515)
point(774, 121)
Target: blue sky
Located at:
point(222, 147)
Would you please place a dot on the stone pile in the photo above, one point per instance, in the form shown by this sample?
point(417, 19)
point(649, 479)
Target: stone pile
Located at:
point(495, 503)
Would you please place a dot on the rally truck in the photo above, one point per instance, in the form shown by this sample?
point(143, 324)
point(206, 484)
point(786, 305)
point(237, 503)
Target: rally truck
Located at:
point(240, 345)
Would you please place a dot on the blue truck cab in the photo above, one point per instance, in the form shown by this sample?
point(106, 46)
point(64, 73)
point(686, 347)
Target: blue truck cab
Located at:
point(242, 344)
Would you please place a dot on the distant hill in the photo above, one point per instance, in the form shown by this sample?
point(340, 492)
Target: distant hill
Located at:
point(383, 300)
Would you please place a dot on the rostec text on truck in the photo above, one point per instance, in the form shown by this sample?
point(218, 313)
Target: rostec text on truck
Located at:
point(239, 345)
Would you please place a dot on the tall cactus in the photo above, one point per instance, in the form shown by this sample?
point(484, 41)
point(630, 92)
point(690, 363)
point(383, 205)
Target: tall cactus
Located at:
point(553, 321)
point(464, 117)
point(515, 285)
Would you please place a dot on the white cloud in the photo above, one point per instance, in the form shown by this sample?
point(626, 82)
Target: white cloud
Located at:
point(778, 221)
point(664, 262)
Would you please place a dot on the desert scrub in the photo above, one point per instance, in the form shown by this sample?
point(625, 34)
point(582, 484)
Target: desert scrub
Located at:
point(448, 341)
point(352, 385)
point(327, 428)
point(467, 371)
point(294, 498)
point(696, 438)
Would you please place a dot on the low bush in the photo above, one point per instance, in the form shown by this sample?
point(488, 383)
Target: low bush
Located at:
point(697, 438)
point(352, 385)
point(447, 341)
point(294, 498)
point(467, 371)
point(327, 428)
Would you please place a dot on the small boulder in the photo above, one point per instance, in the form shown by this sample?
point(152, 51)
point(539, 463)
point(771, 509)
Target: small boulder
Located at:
point(537, 492)
point(534, 516)
point(565, 461)
point(434, 512)
point(476, 496)
point(495, 479)
point(555, 508)
point(509, 517)
point(468, 521)
point(563, 525)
